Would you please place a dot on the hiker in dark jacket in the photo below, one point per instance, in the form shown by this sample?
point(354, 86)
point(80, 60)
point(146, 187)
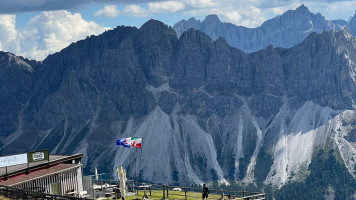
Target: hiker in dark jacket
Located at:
point(205, 192)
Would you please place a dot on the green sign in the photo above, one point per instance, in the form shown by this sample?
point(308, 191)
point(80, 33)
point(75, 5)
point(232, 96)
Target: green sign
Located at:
point(37, 156)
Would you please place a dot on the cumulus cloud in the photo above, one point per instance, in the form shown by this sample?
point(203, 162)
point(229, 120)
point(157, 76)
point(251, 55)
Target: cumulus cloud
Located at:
point(165, 7)
point(247, 15)
point(202, 3)
point(233, 17)
point(242, 12)
point(333, 10)
point(135, 10)
point(9, 35)
point(52, 31)
point(45, 34)
point(152, 8)
point(110, 11)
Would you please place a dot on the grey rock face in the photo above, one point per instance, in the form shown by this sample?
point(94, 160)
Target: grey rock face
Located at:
point(319, 86)
point(17, 78)
point(285, 31)
point(205, 109)
point(352, 24)
point(167, 101)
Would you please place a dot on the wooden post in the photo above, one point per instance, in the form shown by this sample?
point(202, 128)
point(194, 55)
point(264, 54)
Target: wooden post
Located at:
point(92, 185)
point(222, 194)
point(164, 192)
point(137, 190)
point(167, 191)
point(101, 182)
point(185, 193)
point(115, 193)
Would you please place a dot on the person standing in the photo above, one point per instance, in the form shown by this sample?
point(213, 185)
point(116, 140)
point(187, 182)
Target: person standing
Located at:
point(205, 191)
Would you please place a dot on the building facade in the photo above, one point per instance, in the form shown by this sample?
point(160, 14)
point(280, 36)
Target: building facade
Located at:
point(59, 175)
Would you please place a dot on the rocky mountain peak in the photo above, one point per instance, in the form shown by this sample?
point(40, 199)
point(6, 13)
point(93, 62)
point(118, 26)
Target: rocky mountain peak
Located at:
point(192, 20)
point(153, 25)
point(302, 9)
point(153, 29)
point(193, 36)
point(352, 24)
point(212, 19)
point(9, 59)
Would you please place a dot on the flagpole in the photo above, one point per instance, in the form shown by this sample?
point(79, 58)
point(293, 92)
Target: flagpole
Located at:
point(136, 162)
point(139, 167)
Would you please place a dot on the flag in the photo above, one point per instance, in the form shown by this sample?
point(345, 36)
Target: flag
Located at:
point(131, 141)
point(137, 143)
point(122, 142)
point(134, 141)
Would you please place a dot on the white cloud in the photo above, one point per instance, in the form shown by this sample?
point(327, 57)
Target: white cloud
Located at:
point(239, 12)
point(135, 10)
point(152, 8)
point(9, 35)
point(44, 34)
point(252, 16)
point(202, 3)
point(233, 17)
point(110, 11)
point(165, 7)
point(333, 10)
point(52, 31)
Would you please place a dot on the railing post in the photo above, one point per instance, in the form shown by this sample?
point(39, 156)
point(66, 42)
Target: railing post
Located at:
point(185, 192)
point(164, 192)
point(167, 191)
point(150, 191)
point(222, 193)
point(243, 194)
point(137, 190)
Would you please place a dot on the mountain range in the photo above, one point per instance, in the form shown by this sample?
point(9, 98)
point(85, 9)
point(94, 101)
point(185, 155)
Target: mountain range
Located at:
point(285, 31)
point(279, 120)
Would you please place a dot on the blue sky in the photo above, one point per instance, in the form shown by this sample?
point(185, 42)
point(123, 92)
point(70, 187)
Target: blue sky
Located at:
point(36, 28)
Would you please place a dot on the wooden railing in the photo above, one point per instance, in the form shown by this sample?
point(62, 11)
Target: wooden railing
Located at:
point(16, 193)
point(179, 192)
